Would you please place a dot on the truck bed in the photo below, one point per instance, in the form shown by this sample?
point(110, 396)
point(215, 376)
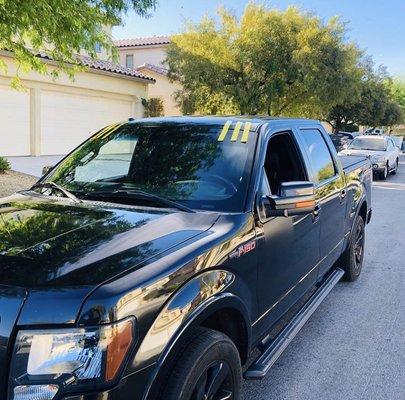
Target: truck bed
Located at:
point(350, 163)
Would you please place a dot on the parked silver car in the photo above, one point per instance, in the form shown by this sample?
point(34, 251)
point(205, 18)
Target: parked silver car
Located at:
point(382, 151)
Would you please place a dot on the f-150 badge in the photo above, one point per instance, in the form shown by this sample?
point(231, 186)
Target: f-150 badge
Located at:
point(242, 250)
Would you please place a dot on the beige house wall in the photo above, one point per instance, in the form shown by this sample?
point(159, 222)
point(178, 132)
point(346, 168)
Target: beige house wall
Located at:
point(93, 84)
point(165, 90)
point(146, 54)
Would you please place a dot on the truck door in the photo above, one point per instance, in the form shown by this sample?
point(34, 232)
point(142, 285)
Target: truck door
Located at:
point(288, 248)
point(330, 194)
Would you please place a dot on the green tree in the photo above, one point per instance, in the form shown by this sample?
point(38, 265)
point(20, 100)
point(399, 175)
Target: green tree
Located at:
point(269, 62)
point(63, 28)
point(372, 103)
point(398, 92)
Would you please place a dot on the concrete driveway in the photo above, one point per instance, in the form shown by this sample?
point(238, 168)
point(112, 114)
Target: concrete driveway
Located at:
point(32, 165)
point(353, 347)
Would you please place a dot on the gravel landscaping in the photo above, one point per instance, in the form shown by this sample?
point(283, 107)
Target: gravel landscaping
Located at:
point(11, 181)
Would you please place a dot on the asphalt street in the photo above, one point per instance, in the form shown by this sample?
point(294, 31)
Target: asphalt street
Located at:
point(353, 347)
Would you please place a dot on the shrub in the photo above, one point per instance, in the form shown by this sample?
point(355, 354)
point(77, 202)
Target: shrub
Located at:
point(153, 107)
point(4, 165)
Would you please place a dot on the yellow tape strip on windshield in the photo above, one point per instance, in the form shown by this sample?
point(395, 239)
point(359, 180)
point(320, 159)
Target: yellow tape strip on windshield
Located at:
point(246, 131)
point(105, 129)
point(111, 129)
point(235, 133)
point(224, 131)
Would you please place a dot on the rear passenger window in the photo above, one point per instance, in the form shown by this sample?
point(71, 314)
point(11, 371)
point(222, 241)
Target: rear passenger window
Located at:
point(321, 159)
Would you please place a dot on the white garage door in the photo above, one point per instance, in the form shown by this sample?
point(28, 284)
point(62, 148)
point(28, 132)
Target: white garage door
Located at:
point(14, 122)
point(67, 120)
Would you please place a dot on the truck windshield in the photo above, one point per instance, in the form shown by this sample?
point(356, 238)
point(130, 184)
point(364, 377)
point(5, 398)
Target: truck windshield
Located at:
point(187, 163)
point(375, 144)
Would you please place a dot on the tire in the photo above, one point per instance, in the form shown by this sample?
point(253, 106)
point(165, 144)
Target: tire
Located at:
point(394, 172)
point(384, 174)
point(207, 367)
point(351, 260)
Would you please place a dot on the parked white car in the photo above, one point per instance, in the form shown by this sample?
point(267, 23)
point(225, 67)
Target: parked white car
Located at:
point(381, 150)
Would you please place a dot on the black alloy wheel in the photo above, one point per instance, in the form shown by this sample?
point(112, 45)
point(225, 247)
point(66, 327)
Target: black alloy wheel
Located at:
point(215, 383)
point(358, 248)
point(206, 366)
point(351, 261)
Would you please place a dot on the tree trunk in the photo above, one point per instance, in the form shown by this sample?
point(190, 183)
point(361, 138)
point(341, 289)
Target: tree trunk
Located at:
point(338, 126)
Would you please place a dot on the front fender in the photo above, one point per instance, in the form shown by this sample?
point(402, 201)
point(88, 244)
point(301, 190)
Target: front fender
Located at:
point(192, 303)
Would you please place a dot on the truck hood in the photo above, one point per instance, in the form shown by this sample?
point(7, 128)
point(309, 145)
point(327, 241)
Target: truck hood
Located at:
point(56, 244)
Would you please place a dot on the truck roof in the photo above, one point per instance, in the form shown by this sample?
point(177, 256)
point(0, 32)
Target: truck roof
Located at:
point(220, 120)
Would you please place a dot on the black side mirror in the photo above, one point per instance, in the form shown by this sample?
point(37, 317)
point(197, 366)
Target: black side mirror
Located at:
point(293, 198)
point(46, 170)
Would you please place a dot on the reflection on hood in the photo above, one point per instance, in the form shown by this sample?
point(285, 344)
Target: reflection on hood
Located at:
point(50, 242)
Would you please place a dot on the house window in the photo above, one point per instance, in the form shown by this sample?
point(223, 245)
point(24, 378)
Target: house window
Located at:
point(129, 61)
point(97, 47)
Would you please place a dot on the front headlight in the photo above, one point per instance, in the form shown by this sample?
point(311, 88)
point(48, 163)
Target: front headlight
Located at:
point(48, 363)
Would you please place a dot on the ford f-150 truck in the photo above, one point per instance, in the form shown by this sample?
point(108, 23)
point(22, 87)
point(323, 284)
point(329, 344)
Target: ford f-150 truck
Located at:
point(153, 259)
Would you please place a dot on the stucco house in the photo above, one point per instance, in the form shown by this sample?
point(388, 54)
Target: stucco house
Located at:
point(147, 55)
point(53, 117)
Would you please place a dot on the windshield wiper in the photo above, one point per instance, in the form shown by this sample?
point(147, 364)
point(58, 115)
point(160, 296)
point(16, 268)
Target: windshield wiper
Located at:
point(137, 194)
point(53, 185)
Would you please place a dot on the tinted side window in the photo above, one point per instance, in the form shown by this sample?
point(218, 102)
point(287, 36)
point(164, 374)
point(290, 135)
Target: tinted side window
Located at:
point(283, 162)
point(319, 153)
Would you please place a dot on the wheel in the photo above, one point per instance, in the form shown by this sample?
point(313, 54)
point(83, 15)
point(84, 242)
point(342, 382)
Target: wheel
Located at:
point(351, 260)
point(207, 368)
point(394, 172)
point(384, 174)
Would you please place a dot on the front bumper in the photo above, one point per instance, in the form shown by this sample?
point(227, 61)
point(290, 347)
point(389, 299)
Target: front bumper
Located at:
point(131, 387)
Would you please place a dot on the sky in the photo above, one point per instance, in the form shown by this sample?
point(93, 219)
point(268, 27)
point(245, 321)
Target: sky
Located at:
point(377, 26)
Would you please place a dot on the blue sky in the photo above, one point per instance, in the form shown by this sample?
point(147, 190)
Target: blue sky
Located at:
point(376, 25)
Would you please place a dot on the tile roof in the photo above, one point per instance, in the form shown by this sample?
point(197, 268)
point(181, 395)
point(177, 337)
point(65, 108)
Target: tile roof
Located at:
point(102, 65)
point(155, 68)
point(142, 41)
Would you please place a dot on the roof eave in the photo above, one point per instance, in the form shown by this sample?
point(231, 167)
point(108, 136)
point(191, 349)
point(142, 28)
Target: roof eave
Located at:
point(141, 46)
point(91, 69)
point(152, 70)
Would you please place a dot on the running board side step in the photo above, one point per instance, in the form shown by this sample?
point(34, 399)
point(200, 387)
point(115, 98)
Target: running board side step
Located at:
point(275, 348)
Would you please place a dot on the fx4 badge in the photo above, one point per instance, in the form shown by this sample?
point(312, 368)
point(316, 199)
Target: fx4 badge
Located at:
point(244, 249)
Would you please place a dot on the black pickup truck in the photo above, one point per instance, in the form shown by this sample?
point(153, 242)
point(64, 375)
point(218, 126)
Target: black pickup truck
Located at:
point(151, 260)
